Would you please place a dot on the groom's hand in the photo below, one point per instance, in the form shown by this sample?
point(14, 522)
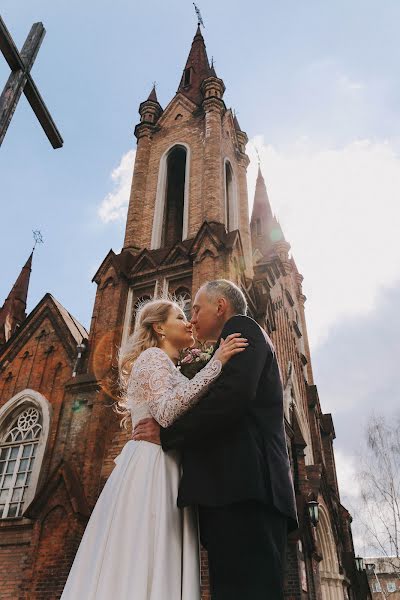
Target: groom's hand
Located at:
point(147, 430)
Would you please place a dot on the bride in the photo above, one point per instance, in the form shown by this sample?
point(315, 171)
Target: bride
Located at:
point(137, 544)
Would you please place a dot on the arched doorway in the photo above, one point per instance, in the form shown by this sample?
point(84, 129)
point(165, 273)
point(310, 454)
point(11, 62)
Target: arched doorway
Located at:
point(331, 579)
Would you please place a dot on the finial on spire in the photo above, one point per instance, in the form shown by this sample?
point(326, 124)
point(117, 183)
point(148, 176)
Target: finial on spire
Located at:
point(37, 236)
point(198, 13)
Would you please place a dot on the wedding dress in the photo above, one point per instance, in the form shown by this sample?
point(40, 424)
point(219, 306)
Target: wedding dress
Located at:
point(137, 544)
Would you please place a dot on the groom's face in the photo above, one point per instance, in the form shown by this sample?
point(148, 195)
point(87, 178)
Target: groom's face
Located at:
point(205, 318)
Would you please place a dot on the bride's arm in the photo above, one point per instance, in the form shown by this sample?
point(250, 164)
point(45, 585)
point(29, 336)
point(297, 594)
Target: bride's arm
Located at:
point(169, 394)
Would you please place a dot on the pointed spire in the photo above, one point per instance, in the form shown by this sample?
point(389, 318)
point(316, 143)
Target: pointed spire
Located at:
point(13, 311)
point(266, 231)
point(236, 123)
point(212, 72)
point(261, 206)
point(153, 95)
point(197, 69)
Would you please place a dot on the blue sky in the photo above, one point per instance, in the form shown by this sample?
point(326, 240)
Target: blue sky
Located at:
point(315, 86)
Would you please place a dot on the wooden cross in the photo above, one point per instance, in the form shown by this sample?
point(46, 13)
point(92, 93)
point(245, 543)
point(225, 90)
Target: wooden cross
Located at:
point(20, 81)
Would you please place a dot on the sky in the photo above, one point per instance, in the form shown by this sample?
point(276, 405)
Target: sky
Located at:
point(316, 88)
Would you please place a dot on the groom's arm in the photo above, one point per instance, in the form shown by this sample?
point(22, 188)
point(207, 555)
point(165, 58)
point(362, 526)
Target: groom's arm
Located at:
point(228, 398)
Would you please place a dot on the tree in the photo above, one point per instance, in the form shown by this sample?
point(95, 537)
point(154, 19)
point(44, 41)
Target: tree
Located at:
point(379, 480)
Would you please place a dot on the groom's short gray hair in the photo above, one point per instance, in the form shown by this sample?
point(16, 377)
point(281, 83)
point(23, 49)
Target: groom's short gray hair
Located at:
point(228, 290)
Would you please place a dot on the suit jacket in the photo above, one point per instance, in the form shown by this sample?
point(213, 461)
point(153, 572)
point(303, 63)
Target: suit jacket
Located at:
point(233, 441)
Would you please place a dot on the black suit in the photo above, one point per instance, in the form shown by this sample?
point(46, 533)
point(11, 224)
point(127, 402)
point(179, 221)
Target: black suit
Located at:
point(235, 463)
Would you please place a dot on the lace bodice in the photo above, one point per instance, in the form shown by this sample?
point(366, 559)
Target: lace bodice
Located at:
point(157, 388)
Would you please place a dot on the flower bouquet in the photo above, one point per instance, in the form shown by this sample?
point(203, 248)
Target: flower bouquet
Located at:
point(193, 360)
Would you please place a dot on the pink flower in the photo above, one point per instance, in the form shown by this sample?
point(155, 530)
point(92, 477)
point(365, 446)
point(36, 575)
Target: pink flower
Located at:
point(192, 355)
point(187, 360)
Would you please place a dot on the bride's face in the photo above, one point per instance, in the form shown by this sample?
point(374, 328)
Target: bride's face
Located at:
point(178, 330)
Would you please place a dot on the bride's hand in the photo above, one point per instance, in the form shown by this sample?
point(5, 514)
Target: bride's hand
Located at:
point(232, 345)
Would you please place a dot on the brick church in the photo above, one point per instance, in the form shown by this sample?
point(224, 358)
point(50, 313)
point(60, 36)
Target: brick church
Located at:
point(188, 221)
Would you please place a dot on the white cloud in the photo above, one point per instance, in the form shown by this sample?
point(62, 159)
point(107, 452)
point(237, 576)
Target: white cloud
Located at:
point(114, 205)
point(347, 477)
point(349, 85)
point(340, 210)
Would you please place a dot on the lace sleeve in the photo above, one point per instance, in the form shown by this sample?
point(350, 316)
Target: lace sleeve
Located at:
point(169, 394)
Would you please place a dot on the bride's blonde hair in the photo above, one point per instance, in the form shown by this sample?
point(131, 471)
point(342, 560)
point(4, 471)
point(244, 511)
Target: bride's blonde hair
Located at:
point(143, 337)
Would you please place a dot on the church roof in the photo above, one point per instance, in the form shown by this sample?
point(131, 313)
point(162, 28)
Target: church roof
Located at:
point(71, 333)
point(77, 330)
point(197, 69)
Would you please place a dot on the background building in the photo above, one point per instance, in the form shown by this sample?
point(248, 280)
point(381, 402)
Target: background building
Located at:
point(187, 222)
point(384, 577)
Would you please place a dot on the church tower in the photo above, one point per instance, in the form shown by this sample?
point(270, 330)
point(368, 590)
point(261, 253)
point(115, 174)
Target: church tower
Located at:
point(189, 189)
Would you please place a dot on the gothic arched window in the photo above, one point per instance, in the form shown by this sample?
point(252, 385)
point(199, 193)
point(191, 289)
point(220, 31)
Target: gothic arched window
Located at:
point(170, 224)
point(24, 425)
point(141, 300)
point(184, 299)
point(187, 76)
point(174, 197)
point(230, 198)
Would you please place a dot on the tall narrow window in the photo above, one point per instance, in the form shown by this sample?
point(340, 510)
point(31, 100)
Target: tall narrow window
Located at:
point(183, 297)
point(18, 446)
point(187, 76)
point(229, 198)
point(172, 230)
point(141, 300)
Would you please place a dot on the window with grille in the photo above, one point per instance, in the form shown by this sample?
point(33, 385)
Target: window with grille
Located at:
point(182, 296)
point(136, 307)
point(18, 446)
point(391, 586)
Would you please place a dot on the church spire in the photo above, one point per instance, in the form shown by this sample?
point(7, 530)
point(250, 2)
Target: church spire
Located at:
point(153, 95)
point(261, 206)
point(196, 70)
point(266, 231)
point(13, 311)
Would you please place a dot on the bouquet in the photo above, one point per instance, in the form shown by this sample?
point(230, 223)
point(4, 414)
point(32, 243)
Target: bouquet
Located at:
point(193, 360)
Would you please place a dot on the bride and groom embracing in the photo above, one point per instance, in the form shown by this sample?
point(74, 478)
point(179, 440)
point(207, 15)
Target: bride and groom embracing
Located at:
point(208, 459)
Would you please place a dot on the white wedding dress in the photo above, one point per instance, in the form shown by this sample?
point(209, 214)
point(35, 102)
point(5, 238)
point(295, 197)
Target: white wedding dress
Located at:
point(137, 544)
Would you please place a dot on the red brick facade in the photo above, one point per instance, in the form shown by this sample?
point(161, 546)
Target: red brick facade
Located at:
point(75, 371)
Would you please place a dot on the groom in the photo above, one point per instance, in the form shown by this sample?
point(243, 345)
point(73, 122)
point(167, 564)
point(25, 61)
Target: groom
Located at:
point(235, 462)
